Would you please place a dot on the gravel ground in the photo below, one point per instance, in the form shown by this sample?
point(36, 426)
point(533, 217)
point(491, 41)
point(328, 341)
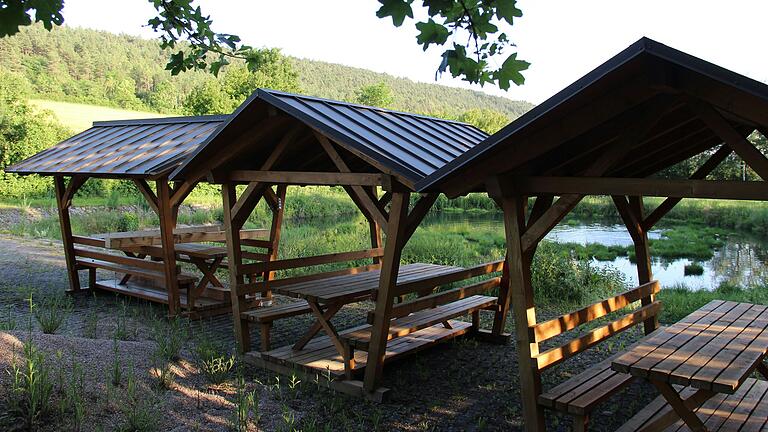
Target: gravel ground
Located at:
point(461, 385)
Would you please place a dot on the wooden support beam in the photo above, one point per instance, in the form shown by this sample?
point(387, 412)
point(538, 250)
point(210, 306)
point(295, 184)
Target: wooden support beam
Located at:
point(551, 217)
point(390, 267)
point(167, 225)
point(732, 138)
point(272, 199)
point(363, 197)
point(524, 310)
point(278, 210)
point(374, 227)
point(63, 204)
point(181, 191)
point(308, 178)
point(72, 188)
point(234, 258)
point(147, 193)
point(417, 214)
point(685, 188)
point(701, 173)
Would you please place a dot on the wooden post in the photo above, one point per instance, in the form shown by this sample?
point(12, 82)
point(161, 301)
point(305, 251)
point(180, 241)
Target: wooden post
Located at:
point(274, 233)
point(390, 267)
point(234, 256)
point(523, 308)
point(643, 254)
point(167, 224)
point(63, 203)
point(375, 230)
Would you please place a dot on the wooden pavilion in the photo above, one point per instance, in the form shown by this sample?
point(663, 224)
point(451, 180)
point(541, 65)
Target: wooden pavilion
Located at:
point(144, 263)
point(609, 133)
point(278, 139)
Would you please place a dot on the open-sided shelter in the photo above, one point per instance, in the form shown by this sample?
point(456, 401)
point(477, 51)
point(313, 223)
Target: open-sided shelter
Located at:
point(609, 133)
point(278, 139)
point(141, 151)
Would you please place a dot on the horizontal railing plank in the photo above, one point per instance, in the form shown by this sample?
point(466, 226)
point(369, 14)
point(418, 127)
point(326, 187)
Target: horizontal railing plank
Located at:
point(447, 277)
point(293, 263)
point(548, 329)
point(556, 355)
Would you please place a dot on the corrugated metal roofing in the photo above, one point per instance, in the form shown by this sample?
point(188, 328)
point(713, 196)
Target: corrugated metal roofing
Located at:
point(735, 93)
point(124, 148)
point(410, 145)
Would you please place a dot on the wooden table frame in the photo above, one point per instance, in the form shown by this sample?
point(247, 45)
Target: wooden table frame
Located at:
point(690, 354)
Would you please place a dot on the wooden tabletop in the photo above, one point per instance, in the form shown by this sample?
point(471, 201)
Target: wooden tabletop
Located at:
point(196, 250)
point(356, 286)
point(715, 348)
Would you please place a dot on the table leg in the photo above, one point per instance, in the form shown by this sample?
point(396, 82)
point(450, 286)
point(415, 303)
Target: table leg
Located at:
point(208, 272)
point(124, 280)
point(681, 408)
point(322, 322)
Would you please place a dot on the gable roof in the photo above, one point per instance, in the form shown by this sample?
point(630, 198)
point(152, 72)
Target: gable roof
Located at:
point(645, 78)
point(143, 148)
point(408, 146)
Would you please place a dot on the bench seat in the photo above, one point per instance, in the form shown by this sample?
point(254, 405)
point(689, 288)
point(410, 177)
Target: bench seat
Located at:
point(400, 327)
point(579, 395)
point(183, 278)
point(264, 316)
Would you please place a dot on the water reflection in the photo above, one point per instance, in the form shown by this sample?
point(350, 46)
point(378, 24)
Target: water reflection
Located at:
point(741, 261)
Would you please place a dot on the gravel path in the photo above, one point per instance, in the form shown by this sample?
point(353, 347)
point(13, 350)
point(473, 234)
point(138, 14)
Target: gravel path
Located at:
point(461, 385)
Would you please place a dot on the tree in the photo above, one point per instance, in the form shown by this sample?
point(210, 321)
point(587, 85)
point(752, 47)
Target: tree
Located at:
point(186, 30)
point(378, 95)
point(23, 132)
point(209, 98)
point(487, 120)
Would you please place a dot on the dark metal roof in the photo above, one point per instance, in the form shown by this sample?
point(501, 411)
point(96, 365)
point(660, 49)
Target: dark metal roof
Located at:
point(123, 148)
point(407, 145)
point(652, 78)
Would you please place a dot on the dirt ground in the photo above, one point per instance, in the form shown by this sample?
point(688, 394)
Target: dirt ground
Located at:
point(461, 385)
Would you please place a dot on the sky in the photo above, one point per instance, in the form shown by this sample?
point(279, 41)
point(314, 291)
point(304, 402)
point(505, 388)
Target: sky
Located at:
point(562, 39)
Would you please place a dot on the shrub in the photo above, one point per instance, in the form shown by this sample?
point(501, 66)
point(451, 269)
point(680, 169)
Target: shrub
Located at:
point(128, 222)
point(52, 312)
point(693, 269)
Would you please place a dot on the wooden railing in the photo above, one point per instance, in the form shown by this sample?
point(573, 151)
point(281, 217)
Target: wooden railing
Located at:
point(556, 326)
point(294, 263)
point(460, 274)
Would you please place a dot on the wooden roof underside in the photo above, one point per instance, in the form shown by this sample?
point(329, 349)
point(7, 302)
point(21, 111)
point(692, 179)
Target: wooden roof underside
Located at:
point(647, 101)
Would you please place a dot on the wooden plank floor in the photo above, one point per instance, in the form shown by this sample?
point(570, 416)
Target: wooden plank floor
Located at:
point(153, 294)
point(320, 356)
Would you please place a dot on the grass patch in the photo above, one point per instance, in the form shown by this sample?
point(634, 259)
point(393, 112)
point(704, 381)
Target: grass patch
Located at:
point(693, 269)
point(680, 301)
point(52, 311)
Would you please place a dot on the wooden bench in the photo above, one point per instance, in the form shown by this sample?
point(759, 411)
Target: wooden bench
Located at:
point(581, 394)
point(266, 315)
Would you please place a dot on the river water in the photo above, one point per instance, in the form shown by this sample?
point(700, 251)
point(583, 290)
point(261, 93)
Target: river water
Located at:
point(743, 259)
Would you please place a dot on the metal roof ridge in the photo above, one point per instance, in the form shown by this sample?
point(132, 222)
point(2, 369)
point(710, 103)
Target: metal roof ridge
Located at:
point(161, 120)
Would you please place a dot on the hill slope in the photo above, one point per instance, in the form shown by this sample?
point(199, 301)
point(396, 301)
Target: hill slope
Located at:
point(101, 68)
point(79, 117)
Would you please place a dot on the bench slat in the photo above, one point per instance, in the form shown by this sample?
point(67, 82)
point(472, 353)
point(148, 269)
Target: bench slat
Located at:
point(403, 326)
point(271, 313)
point(136, 271)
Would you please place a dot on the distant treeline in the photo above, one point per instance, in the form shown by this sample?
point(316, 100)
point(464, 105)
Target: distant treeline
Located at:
point(101, 68)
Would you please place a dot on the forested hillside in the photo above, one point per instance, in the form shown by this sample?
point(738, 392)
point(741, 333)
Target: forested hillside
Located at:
point(95, 67)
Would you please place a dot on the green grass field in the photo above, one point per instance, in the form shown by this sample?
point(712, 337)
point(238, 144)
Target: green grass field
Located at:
point(80, 117)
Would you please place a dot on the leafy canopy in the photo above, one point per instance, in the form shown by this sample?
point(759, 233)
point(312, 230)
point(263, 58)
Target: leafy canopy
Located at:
point(477, 20)
point(378, 95)
point(187, 31)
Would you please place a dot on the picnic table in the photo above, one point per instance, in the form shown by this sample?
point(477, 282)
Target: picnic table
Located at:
point(700, 365)
point(207, 258)
point(327, 296)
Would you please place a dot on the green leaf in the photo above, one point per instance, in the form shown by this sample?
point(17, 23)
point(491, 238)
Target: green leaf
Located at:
point(510, 71)
point(507, 10)
point(431, 33)
point(397, 9)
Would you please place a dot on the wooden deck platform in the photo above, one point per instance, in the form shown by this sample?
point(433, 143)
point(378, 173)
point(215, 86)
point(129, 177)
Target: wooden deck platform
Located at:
point(153, 294)
point(319, 356)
